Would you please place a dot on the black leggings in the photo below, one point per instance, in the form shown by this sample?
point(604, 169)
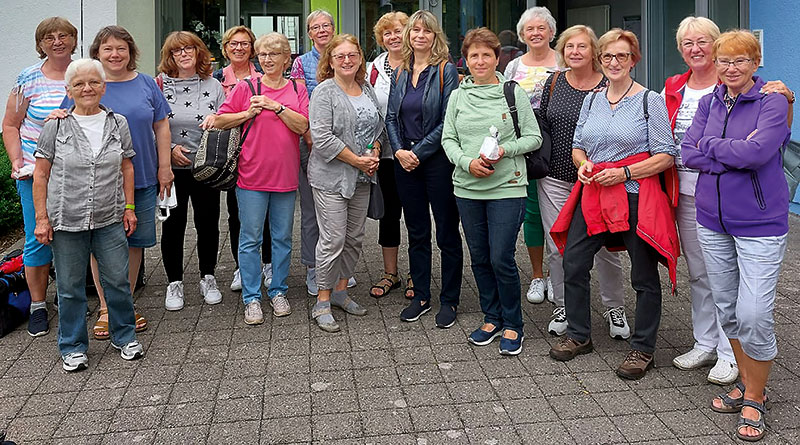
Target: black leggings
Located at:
point(389, 225)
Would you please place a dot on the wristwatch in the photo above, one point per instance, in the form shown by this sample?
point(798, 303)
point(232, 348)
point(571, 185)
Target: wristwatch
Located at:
point(280, 110)
point(792, 101)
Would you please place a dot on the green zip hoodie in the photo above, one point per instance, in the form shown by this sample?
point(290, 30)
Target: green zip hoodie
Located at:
point(471, 110)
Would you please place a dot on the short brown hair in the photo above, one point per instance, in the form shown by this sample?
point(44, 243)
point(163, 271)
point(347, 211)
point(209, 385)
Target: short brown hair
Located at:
point(118, 33)
point(324, 69)
point(229, 35)
point(51, 25)
point(386, 21)
point(735, 42)
point(571, 32)
point(178, 39)
point(621, 34)
point(481, 36)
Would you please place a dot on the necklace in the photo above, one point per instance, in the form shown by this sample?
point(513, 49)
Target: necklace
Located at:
point(623, 94)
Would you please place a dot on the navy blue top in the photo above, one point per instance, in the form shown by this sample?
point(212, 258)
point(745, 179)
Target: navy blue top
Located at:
point(411, 108)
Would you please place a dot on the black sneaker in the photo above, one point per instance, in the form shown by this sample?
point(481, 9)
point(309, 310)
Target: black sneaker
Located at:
point(38, 324)
point(415, 310)
point(446, 316)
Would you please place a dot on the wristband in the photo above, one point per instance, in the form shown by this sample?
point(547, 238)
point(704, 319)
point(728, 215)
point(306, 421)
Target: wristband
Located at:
point(582, 162)
point(627, 173)
point(130, 207)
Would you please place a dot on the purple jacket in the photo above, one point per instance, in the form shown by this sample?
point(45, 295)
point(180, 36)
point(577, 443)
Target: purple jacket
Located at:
point(741, 190)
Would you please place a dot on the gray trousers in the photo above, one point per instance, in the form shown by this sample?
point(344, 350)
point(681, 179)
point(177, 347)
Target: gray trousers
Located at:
point(553, 194)
point(341, 232)
point(309, 231)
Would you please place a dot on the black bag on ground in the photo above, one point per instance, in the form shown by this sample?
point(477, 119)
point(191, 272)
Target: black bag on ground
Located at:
point(15, 301)
point(537, 161)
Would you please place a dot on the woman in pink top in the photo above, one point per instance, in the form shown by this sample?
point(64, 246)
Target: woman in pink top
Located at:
point(268, 166)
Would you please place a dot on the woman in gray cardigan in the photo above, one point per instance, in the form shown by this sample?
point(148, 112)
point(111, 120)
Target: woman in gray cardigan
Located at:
point(341, 169)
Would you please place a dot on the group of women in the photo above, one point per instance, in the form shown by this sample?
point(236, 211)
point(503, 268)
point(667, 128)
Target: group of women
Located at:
point(626, 163)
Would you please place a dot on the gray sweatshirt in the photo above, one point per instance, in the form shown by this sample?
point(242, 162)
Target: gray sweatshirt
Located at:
point(191, 100)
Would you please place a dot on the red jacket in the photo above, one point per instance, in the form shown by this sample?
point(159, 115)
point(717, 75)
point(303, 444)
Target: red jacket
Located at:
point(673, 94)
point(606, 209)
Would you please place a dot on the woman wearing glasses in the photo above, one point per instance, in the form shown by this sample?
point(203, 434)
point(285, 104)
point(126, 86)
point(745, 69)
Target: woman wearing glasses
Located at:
point(622, 142)
point(194, 96)
point(268, 167)
point(237, 47)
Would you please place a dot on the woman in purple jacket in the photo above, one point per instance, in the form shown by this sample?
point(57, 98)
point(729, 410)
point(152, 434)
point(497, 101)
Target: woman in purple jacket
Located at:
point(742, 214)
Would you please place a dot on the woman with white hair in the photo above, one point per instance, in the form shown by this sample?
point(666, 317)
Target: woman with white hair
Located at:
point(536, 28)
point(87, 153)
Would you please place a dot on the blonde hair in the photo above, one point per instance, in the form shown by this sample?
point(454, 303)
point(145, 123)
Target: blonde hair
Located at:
point(738, 41)
point(228, 36)
point(621, 34)
point(697, 24)
point(275, 40)
point(386, 21)
point(315, 14)
point(439, 51)
point(324, 69)
point(571, 32)
point(177, 39)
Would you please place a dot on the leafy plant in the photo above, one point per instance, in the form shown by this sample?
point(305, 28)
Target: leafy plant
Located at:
point(10, 208)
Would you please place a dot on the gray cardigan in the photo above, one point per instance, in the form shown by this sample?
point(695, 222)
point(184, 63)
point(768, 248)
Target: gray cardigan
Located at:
point(331, 135)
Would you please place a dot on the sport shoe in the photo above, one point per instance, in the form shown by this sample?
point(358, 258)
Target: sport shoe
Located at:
point(266, 272)
point(635, 365)
point(479, 337)
point(446, 316)
point(343, 301)
point(236, 284)
point(174, 298)
point(617, 323)
point(510, 346)
point(252, 313)
point(416, 309)
point(558, 322)
point(351, 282)
point(311, 281)
point(724, 372)
point(535, 293)
point(551, 297)
point(696, 358)
point(131, 351)
point(568, 348)
point(75, 361)
point(38, 324)
point(321, 313)
point(209, 290)
point(280, 305)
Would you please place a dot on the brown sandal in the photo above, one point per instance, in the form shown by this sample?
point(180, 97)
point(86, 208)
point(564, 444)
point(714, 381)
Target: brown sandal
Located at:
point(388, 282)
point(141, 323)
point(100, 328)
point(410, 288)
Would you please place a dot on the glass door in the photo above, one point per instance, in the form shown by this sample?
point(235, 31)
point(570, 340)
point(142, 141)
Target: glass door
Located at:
point(371, 11)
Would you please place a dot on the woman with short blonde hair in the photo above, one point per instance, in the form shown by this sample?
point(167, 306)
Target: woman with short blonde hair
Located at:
point(569, 34)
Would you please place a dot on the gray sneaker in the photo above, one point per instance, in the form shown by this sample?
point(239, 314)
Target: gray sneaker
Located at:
point(252, 313)
point(75, 361)
point(280, 305)
point(131, 351)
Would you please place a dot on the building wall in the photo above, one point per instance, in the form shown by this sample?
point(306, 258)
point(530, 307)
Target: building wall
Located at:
point(139, 18)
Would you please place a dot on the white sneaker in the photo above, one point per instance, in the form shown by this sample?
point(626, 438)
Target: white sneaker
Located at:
point(723, 373)
point(75, 361)
point(209, 290)
point(535, 293)
point(280, 305)
point(131, 351)
point(311, 281)
point(174, 299)
point(558, 323)
point(351, 282)
point(266, 272)
point(236, 284)
point(551, 297)
point(696, 358)
point(617, 323)
point(252, 313)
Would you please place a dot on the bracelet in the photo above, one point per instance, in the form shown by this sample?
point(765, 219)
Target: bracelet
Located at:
point(793, 98)
point(627, 173)
point(130, 207)
point(583, 161)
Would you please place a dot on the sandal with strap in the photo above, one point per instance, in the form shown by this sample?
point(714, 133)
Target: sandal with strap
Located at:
point(321, 313)
point(100, 329)
point(410, 288)
point(759, 425)
point(734, 405)
point(141, 323)
point(388, 282)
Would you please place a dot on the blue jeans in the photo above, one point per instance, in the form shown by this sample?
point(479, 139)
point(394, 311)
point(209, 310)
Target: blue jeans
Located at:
point(71, 252)
point(253, 208)
point(145, 233)
point(34, 253)
point(491, 228)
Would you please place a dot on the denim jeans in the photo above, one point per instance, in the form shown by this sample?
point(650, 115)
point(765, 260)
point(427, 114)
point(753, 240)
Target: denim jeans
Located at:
point(253, 208)
point(491, 228)
point(35, 253)
point(71, 252)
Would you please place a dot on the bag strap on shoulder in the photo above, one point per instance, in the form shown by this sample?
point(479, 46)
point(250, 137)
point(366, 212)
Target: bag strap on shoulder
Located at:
point(511, 100)
point(441, 76)
point(250, 122)
point(553, 83)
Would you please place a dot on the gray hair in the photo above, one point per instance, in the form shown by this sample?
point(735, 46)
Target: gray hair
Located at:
point(319, 13)
point(83, 64)
point(537, 12)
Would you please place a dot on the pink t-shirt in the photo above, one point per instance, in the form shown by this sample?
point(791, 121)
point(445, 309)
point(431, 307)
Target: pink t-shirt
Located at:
point(270, 157)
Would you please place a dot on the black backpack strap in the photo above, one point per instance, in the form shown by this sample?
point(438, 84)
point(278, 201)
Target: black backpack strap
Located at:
point(591, 100)
point(511, 100)
point(250, 122)
point(294, 85)
point(644, 105)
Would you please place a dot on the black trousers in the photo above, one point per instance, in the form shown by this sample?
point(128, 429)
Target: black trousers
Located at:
point(234, 225)
point(429, 187)
point(205, 203)
point(389, 225)
point(578, 262)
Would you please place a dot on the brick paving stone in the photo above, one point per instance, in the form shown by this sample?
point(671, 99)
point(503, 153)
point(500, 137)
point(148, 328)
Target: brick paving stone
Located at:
point(190, 434)
point(386, 422)
point(641, 427)
point(234, 432)
point(286, 430)
point(187, 414)
point(83, 424)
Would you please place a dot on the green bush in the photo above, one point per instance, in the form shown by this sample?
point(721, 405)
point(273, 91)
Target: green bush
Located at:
point(10, 208)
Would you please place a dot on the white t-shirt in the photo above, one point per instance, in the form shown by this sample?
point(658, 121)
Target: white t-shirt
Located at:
point(687, 177)
point(92, 127)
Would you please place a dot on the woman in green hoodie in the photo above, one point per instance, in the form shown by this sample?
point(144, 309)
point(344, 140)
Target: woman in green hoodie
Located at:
point(490, 191)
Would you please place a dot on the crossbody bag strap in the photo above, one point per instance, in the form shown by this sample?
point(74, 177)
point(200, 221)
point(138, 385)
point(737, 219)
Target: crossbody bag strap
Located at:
point(511, 100)
point(250, 122)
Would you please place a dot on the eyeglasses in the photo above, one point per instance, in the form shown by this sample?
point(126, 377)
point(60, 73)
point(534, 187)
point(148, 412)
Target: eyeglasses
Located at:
point(269, 56)
point(688, 44)
point(236, 44)
point(738, 63)
point(189, 49)
point(325, 26)
point(51, 38)
point(94, 84)
point(352, 56)
point(621, 57)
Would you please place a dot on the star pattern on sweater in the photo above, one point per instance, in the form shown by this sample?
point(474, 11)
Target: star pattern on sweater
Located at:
point(187, 104)
point(198, 117)
point(206, 94)
point(185, 89)
point(211, 107)
point(184, 133)
point(169, 96)
point(171, 115)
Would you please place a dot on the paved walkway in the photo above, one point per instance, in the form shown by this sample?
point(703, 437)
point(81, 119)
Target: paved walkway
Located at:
point(209, 378)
